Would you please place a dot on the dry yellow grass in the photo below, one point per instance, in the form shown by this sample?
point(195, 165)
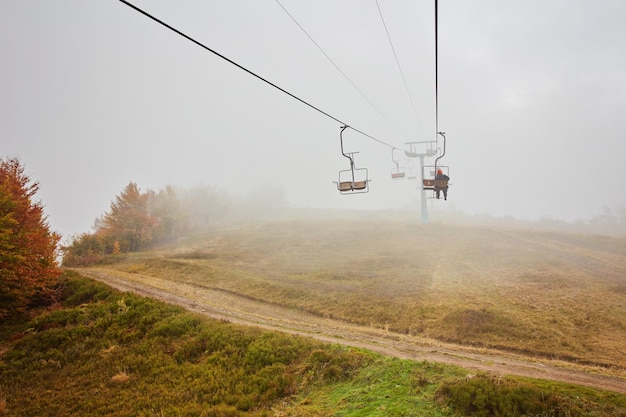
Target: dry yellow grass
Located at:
point(121, 376)
point(549, 294)
point(107, 351)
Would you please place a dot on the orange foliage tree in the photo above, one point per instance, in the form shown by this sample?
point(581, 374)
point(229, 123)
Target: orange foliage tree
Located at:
point(28, 248)
point(138, 219)
point(129, 222)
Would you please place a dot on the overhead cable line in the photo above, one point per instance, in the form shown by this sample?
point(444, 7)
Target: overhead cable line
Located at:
point(436, 72)
point(189, 38)
point(337, 67)
point(406, 87)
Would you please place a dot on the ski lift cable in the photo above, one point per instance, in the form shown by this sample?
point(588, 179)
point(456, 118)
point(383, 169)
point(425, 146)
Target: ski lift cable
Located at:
point(406, 87)
point(189, 38)
point(436, 72)
point(340, 70)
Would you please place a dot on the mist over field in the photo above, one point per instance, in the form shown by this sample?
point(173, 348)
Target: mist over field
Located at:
point(548, 294)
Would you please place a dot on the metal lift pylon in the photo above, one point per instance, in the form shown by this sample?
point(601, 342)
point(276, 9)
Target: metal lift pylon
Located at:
point(428, 152)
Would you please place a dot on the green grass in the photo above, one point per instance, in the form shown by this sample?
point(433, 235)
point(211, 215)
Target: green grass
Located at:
point(485, 395)
point(105, 353)
point(390, 387)
point(546, 294)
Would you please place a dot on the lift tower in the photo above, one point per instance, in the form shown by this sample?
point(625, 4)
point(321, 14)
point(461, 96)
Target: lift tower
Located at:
point(422, 150)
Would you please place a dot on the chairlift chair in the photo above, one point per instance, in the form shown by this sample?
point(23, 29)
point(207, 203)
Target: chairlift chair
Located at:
point(430, 183)
point(353, 180)
point(429, 173)
point(396, 172)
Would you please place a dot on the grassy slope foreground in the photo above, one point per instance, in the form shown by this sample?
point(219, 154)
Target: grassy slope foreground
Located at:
point(100, 352)
point(548, 295)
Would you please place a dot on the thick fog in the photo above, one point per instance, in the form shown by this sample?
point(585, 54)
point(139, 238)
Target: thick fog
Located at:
point(532, 97)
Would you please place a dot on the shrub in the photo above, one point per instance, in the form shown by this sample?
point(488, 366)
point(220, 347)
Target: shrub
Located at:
point(176, 326)
point(77, 291)
point(190, 350)
point(332, 365)
point(271, 348)
point(59, 318)
point(487, 396)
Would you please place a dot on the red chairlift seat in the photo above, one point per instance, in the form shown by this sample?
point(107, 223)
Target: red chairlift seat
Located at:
point(435, 184)
point(440, 184)
point(432, 183)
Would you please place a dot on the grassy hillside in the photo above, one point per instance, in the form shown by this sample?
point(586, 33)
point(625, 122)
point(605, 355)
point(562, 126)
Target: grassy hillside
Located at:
point(548, 294)
point(100, 352)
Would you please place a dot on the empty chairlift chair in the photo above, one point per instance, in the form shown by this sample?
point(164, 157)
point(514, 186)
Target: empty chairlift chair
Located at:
point(397, 172)
point(353, 180)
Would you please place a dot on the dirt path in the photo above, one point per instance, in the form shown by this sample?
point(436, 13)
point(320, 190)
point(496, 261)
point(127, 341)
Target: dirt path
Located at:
point(237, 309)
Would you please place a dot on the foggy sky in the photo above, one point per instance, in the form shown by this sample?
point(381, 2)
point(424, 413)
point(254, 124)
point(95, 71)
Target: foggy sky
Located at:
point(532, 99)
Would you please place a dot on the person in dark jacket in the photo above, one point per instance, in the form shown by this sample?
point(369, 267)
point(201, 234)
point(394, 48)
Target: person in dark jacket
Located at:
point(441, 184)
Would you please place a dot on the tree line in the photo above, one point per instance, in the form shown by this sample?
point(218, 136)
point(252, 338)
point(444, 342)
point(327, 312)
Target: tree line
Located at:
point(139, 219)
point(30, 249)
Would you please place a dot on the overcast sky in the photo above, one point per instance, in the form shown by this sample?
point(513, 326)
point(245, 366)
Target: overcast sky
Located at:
point(532, 97)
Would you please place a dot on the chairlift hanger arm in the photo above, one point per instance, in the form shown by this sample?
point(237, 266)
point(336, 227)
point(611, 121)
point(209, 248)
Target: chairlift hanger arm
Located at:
point(443, 135)
point(342, 151)
point(395, 161)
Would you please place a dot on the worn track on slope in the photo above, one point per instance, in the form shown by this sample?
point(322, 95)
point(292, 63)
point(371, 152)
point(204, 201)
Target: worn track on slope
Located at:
point(234, 308)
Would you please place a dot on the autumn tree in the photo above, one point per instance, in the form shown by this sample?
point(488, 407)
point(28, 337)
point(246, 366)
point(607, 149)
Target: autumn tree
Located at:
point(204, 205)
point(166, 208)
point(28, 247)
point(129, 221)
point(136, 219)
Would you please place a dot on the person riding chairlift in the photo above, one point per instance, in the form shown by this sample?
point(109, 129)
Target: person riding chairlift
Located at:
point(440, 186)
